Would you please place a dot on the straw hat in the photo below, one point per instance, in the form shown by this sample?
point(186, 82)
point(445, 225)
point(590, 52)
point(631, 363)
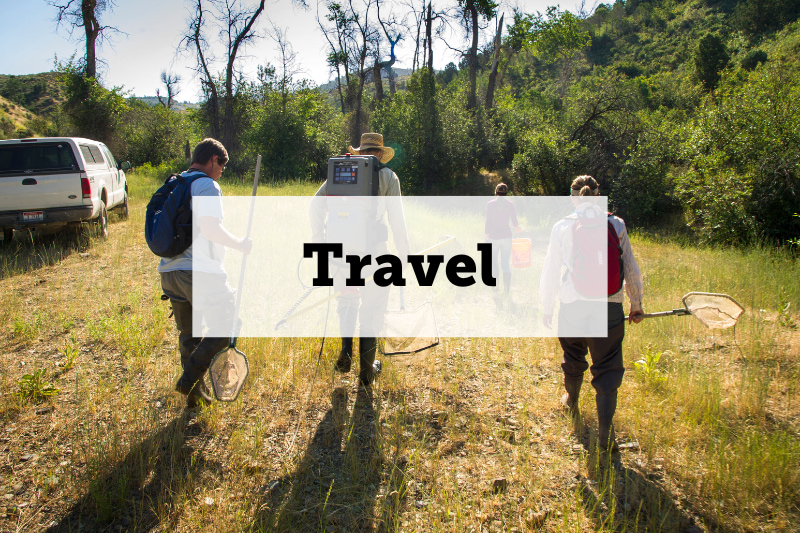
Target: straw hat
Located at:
point(373, 140)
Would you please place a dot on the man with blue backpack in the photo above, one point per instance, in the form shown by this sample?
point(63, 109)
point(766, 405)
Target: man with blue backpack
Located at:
point(168, 232)
point(578, 259)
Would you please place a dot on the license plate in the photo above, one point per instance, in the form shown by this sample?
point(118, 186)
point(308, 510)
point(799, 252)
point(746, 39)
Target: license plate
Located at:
point(32, 216)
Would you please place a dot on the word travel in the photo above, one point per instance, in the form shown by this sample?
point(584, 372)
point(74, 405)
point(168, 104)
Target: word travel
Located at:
point(459, 269)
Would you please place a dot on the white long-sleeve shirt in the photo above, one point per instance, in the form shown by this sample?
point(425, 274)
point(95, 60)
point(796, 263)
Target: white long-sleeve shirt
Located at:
point(555, 285)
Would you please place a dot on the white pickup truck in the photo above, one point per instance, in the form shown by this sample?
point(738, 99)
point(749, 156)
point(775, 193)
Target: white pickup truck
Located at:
point(52, 181)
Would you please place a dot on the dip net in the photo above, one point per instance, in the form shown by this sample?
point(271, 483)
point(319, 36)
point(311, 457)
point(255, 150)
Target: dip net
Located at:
point(715, 311)
point(228, 372)
point(417, 327)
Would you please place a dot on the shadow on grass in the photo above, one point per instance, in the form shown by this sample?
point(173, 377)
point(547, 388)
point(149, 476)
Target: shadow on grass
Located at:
point(30, 251)
point(142, 491)
point(335, 485)
point(618, 498)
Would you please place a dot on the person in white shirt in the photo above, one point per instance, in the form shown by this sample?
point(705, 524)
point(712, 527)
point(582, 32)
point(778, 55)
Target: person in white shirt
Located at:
point(606, 352)
point(201, 264)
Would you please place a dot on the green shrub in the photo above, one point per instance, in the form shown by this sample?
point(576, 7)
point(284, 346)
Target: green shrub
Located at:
point(753, 59)
point(295, 133)
point(150, 134)
point(547, 163)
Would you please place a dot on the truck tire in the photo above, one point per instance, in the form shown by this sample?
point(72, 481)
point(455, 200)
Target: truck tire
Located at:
point(122, 210)
point(101, 222)
point(8, 234)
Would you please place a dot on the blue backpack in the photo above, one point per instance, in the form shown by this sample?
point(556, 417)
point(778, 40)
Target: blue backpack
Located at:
point(168, 221)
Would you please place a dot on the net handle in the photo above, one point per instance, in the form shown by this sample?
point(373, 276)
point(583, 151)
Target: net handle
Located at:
point(674, 312)
point(232, 342)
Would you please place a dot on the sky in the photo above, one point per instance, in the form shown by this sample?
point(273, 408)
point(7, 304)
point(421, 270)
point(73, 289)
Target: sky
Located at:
point(153, 29)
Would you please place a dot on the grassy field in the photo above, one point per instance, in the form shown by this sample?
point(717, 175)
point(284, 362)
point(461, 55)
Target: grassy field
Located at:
point(467, 436)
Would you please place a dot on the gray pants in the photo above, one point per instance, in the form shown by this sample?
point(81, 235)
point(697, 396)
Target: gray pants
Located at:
point(501, 250)
point(606, 352)
point(196, 351)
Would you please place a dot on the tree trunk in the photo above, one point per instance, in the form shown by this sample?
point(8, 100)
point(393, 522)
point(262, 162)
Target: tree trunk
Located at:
point(208, 83)
point(229, 137)
point(428, 34)
point(339, 86)
point(415, 61)
point(473, 56)
point(495, 62)
point(376, 78)
point(392, 86)
point(92, 29)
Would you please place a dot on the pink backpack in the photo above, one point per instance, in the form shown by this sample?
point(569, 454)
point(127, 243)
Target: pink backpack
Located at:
point(595, 256)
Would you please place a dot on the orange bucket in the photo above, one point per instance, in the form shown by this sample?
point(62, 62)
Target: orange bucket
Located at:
point(521, 253)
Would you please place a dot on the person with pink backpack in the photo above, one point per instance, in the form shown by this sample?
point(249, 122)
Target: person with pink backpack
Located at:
point(575, 262)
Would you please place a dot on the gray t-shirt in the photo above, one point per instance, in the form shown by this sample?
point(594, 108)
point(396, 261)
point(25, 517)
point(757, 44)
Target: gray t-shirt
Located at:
point(203, 255)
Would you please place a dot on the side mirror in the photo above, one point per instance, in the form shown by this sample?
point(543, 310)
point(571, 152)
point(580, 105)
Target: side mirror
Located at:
point(125, 165)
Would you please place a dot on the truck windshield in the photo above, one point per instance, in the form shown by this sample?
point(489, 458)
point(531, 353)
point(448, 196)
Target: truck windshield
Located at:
point(29, 158)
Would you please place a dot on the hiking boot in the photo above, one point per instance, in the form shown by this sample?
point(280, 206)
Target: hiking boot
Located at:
point(606, 407)
point(345, 356)
point(570, 398)
point(194, 389)
point(370, 368)
point(368, 375)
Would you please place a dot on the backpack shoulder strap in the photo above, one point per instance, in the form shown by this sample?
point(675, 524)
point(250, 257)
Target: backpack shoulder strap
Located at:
point(191, 179)
point(376, 181)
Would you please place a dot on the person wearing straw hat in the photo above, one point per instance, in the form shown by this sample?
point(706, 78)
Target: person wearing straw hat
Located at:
point(606, 352)
point(201, 263)
point(368, 304)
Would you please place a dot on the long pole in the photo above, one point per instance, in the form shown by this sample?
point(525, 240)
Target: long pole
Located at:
point(244, 259)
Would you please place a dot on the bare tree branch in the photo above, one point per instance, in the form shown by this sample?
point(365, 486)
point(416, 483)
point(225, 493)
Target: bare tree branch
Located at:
point(171, 81)
point(85, 14)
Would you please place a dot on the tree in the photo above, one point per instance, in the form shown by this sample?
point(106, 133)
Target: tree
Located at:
point(709, 60)
point(352, 38)
point(288, 58)
point(555, 36)
point(238, 23)
point(495, 63)
point(470, 11)
point(85, 14)
point(386, 65)
point(294, 129)
point(170, 81)
point(446, 76)
point(150, 134)
point(93, 111)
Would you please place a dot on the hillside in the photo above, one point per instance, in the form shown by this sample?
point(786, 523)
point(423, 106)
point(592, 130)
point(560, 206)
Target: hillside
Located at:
point(17, 121)
point(657, 41)
point(39, 93)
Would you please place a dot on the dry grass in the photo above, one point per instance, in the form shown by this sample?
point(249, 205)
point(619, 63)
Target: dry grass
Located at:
point(718, 432)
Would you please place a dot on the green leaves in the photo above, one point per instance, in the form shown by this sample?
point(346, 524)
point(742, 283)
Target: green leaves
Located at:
point(743, 181)
point(648, 370)
point(555, 35)
point(33, 387)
